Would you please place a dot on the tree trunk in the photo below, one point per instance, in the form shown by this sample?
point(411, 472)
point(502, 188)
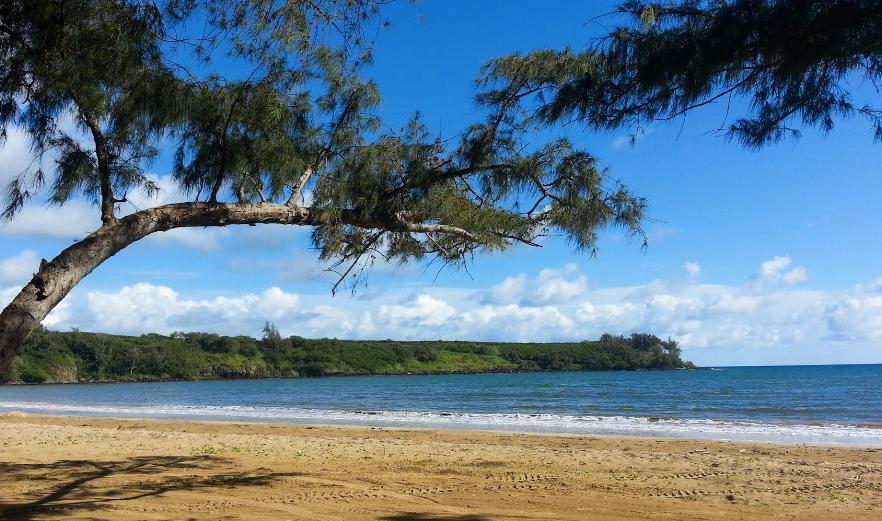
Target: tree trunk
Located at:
point(55, 279)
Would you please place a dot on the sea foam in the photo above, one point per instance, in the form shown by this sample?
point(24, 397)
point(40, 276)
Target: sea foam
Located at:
point(829, 433)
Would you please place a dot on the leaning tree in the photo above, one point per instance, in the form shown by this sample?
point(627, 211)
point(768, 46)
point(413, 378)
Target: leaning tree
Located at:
point(272, 122)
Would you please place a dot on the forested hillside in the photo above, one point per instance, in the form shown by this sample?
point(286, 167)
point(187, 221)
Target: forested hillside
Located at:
point(82, 357)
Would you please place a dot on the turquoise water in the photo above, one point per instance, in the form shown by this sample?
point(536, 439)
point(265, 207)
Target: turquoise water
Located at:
point(816, 404)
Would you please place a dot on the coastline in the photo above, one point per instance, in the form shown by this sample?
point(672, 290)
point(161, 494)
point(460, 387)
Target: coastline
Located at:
point(645, 427)
point(158, 379)
point(85, 467)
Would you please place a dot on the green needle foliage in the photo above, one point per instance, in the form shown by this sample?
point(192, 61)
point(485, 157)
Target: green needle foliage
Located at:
point(774, 64)
point(265, 102)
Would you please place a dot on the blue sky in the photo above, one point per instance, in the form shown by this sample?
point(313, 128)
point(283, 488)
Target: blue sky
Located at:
point(754, 257)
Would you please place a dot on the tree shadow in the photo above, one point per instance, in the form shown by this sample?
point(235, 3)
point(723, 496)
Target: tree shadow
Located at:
point(74, 485)
point(417, 516)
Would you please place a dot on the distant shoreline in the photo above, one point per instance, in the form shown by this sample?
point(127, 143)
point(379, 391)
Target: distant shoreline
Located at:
point(350, 375)
point(78, 357)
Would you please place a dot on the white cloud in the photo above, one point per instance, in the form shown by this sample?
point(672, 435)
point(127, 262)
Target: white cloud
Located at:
point(624, 315)
point(421, 310)
point(855, 318)
point(735, 304)
point(71, 222)
point(758, 322)
point(204, 239)
point(795, 276)
point(558, 286)
point(18, 269)
point(15, 155)
point(693, 269)
point(873, 287)
point(513, 322)
point(551, 286)
point(168, 192)
point(511, 289)
point(146, 307)
point(776, 270)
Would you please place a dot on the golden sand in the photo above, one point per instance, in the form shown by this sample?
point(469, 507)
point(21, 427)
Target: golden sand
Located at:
point(87, 468)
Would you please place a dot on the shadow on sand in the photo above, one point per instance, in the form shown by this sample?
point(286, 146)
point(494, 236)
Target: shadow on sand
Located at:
point(75, 485)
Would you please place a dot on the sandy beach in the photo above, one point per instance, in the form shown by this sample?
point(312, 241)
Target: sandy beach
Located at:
point(88, 468)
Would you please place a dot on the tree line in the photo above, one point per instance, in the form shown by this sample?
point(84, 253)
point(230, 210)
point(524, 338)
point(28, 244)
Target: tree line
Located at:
point(52, 357)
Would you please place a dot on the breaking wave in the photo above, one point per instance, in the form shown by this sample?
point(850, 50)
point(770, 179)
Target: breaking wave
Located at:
point(820, 433)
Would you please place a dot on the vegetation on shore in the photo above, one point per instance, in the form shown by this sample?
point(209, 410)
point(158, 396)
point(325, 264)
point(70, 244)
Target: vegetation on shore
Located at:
point(51, 356)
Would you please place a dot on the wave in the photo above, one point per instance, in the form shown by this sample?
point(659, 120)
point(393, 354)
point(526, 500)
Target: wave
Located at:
point(831, 433)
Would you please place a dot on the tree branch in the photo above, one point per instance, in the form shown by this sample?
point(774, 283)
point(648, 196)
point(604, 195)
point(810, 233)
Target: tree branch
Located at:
point(102, 153)
point(298, 188)
point(443, 176)
point(322, 156)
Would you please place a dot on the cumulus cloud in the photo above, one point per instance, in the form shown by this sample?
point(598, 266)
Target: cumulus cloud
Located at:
point(551, 286)
point(728, 303)
point(167, 192)
point(772, 319)
point(558, 286)
point(420, 310)
point(511, 289)
point(146, 307)
point(795, 276)
point(693, 269)
point(15, 155)
point(857, 317)
point(18, 269)
point(194, 238)
point(778, 269)
point(517, 323)
point(72, 221)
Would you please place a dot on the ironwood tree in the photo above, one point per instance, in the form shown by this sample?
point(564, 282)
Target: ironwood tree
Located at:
point(771, 66)
point(272, 117)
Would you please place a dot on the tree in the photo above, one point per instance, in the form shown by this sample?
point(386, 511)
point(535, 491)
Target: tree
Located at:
point(291, 123)
point(780, 63)
point(271, 336)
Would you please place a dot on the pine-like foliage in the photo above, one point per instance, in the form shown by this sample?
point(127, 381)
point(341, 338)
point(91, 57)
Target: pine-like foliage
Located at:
point(267, 103)
point(780, 63)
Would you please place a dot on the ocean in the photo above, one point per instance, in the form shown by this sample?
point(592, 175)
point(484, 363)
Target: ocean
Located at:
point(835, 404)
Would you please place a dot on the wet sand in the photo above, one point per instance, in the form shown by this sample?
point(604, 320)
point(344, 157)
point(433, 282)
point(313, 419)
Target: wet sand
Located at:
point(88, 468)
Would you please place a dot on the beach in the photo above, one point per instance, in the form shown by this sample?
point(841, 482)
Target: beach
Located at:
point(91, 468)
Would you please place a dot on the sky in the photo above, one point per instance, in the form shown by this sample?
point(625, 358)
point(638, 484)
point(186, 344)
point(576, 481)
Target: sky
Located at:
point(753, 258)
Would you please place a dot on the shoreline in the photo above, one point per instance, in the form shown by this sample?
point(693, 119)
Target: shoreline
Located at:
point(103, 468)
point(643, 427)
point(273, 425)
point(159, 379)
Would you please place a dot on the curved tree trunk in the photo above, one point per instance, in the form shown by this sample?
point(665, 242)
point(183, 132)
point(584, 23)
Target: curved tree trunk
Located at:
point(55, 279)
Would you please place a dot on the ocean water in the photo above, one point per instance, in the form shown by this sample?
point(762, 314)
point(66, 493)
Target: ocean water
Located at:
point(797, 404)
